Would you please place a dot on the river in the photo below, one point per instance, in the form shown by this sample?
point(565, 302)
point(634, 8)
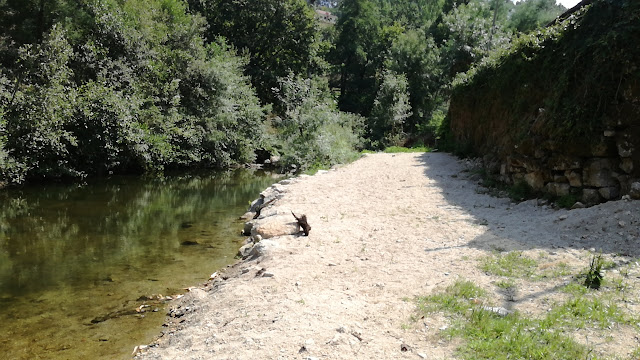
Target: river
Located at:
point(78, 261)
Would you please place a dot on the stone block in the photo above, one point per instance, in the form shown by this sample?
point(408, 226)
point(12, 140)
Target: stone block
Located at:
point(626, 165)
point(634, 191)
point(598, 173)
point(560, 179)
point(535, 179)
point(574, 178)
point(503, 169)
point(557, 189)
point(609, 193)
point(539, 153)
point(624, 146)
point(565, 162)
point(601, 148)
point(591, 196)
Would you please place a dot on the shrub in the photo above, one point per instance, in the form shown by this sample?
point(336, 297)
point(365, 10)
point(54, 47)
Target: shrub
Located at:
point(311, 131)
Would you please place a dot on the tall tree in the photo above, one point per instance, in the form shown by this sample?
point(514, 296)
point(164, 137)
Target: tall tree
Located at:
point(531, 14)
point(359, 54)
point(415, 54)
point(278, 35)
point(411, 13)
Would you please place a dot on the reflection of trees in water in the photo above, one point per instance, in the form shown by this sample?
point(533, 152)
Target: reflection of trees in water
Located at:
point(70, 234)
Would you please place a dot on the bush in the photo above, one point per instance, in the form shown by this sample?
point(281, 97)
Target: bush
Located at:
point(390, 110)
point(123, 86)
point(311, 131)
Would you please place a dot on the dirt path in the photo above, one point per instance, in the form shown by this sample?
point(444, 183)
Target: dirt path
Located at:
point(386, 228)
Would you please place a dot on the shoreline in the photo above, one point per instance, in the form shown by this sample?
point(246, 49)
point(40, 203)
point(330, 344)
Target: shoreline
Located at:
point(385, 229)
point(187, 303)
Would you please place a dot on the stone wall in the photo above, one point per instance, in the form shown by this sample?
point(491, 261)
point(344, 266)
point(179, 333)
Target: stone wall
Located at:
point(593, 172)
point(597, 167)
point(561, 113)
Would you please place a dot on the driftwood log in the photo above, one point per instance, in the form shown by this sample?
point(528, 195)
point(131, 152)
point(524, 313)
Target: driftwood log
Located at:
point(302, 222)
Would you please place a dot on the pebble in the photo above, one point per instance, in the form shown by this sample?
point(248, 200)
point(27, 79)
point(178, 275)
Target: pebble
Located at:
point(267, 274)
point(578, 205)
point(563, 217)
point(422, 356)
point(332, 264)
point(622, 223)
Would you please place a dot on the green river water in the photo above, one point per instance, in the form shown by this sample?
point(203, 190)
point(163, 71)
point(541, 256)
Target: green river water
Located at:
point(72, 254)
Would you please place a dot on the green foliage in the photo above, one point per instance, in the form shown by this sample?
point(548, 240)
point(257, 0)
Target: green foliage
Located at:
point(566, 201)
point(487, 335)
point(41, 109)
point(359, 53)
point(390, 110)
point(521, 191)
point(594, 275)
point(513, 264)
point(529, 15)
point(580, 312)
point(470, 32)
point(415, 54)
point(312, 133)
point(567, 79)
point(400, 149)
point(125, 86)
point(412, 13)
point(456, 298)
point(278, 35)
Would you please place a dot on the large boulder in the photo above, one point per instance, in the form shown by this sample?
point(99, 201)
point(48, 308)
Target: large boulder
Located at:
point(277, 225)
point(263, 248)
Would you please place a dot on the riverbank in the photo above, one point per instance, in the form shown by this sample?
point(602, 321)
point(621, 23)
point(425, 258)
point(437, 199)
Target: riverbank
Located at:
point(386, 229)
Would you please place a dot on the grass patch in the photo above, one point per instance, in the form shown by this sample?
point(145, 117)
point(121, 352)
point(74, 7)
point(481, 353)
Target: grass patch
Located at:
point(586, 311)
point(313, 169)
point(456, 298)
point(521, 191)
point(513, 264)
point(400, 149)
point(506, 284)
point(490, 336)
point(566, 201)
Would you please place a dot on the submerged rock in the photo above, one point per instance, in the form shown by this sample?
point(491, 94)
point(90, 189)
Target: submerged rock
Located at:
point(190, 242)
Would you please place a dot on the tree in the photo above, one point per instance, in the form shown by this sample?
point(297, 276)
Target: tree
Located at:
point(411, 13)
point(469, 34)
point(416, 55)
point(390, 110)
point(122, 86)
point(278, 35)
point(359, 54)
point(531, 14)
point(311, 130)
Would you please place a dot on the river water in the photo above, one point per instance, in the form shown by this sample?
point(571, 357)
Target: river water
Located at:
point(76, 262)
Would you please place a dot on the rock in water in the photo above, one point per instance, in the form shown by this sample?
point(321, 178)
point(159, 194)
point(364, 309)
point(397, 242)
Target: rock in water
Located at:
point(190, 242)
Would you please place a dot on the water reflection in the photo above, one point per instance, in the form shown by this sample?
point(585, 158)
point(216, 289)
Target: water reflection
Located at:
point(68, 253)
